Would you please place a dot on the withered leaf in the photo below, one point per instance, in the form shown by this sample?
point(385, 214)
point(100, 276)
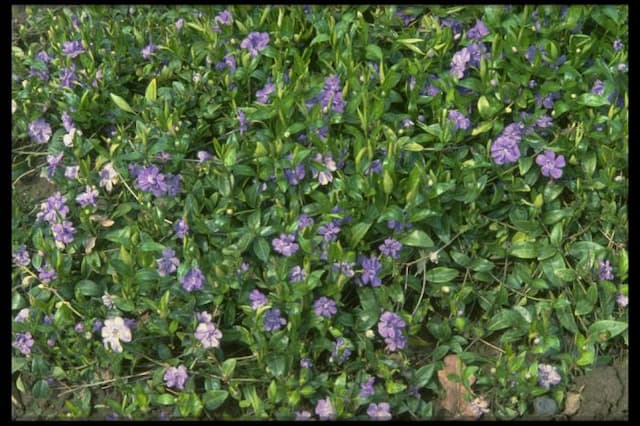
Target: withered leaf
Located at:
point(572, 403)
point(457, 400)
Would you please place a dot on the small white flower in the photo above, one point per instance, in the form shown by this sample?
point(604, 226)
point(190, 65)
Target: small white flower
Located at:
point(113, 331)
point(67, 139)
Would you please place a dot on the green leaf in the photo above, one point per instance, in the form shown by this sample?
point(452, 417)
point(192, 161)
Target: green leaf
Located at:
point(483, 107)
point(41, 389)
point(592, 100)
point(582, 249)
point(358, 231)
point(565, 274)
point(17, 363)
point(151, 246)
point(610, 328)
point(319, 39)
point(276, 365)
point(121, 103)
point(417, 238)
point(423, 375)
point(394, 387)
point(214, 398)
point(441, 274)
point(228, 366)
point(124, 304)
point(565, 316)
point(524, 250)
point(374, 53)
point(151, 93)
point(505, 318)
point(88, 288)
point(166, 399)
point(387, 182)
point(261, 249)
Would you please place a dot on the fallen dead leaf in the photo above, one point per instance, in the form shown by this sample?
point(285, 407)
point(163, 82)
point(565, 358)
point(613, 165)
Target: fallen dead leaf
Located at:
point(572, 403)
point(457, 400)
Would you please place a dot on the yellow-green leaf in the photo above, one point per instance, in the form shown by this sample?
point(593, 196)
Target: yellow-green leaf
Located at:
point(121, 103)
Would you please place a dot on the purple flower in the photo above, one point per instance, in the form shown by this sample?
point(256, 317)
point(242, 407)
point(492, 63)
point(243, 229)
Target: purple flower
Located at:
point(324, 409)
point(331, 96)
point(79, 328)
point(113, 331)
point(208, 334)
point(53, 162)
point(550, 165)
point(325, 307)
point(229, 61)
point(223, 18)
point(341, 351)
point(44, 57)
point(391, 248)
point(179, 24)
point(257, 299)
point(108, 177)
point(297, 274)
point(476, 52)
point(379, 411)
point(203, 317)
point(306, 363)
point(148, 50)
point(390, 327)
point(24, 342)
point(345, 267)
point(329, 231)
point(303, 415)
point(130, 322)
point(262, 94)
point(272, 320)
point(325, 176)
point(23, 315)
point(294, 176)
point(405, 17)
point(374, 168)
point(285, 245)
point(455, 25)
point(548, 376)
point(305, 221)
point(173, 184)
point(40, 131)
point(460, 121)
point(193, 280)
point(242, 120)
point(181, 228)
point(97, 325)
point(203, 156)
point(63, 233)
point(71, 172)
point(459, 63)
point(68, 76)
point(42, 74)
point(21, 256)
point(370, 268)
point(175, 377)
point(617, 45)
point(530, 55)
point(622, 300)
point(544, 122)
point(88, 197)
point(478, 31)
point(622, 67)
point(72, 48)
point(407, 123)
point(168, 263)
point(255, 42)
point(53, 209)
point(366, 388)
point(505, 150)
point(606, 273)
point(151, 180)
point(67, 122)
point(46, 273)
point(163, 156)
point(598, 88)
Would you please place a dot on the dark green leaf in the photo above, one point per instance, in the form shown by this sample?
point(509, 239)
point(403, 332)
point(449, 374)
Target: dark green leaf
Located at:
point(441, 274)
point(261, 249)
point(214, 398)
point(417, 238)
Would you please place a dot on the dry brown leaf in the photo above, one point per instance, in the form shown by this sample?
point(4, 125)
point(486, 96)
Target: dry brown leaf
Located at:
point(457, 400)
point(572, 404)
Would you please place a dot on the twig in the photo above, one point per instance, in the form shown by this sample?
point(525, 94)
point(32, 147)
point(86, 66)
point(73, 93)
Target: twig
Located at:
point(104, 382)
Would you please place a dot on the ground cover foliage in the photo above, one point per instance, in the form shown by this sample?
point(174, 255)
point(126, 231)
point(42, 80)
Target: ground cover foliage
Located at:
point(322, 212)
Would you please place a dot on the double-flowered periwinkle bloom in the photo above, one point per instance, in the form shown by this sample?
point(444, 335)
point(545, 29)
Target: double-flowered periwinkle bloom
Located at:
point(297, 274)
point(176, 377)
point(325, 307)
point(273, 321)
point(223, 18)
point(72, 48)
point(181, 228)
point(285, 245)
point(115, 330)
point(324, 409)
point(460, 121)
point(63, 233)
point(370, 268)
point(255, 42)
point(21, 256)
point(548, 375)
point(390, 248)
point(262, 95)
point(23, 315)
point(53, 162)
point(257, 299)
point(40, 131)
point(505, 148)
point(108, 177)
point(478, 31)
point(459, 62)
point(72, 172)
point(379, 411)
point(390, 327)
point(366, 388)
point(550, 165)
point(622, 300)
point(329, 231)
point(46, 273)
point(23, 342)
point(88, 198)
point(606, 273)
point(53, 210)
point(193, 280)
point(208, 335)
point(148, 50)
point(598, 88)
point(168, 263)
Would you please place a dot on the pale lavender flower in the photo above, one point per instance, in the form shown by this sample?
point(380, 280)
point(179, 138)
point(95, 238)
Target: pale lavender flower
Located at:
point(40, 131)
point(176, 377)
point(412, 82)
point(208, 334)
point(68, 76)
point(42, 74)
point(324, 409)
point(544, 122)
point(151, 180)
point(329, 231)
point(148, 50)
point(331, 96)
point(204, 317)
point(47, 273)
point(48, 319)
point(97, 325)
point(23, 315)
point(255, 42)
point(203, 156)
point(44, 57)
point(79, 328)
point(229, 61)
point(108, 177)
point(72, 48)
point(242, 120)
point(476, 52)
point(370, 268)
point(530, 55)
point(622, 300)
point(273, 321)
point(262, 95)
point(305, 221)
point(460, 121)
point(550, 165)
point(53, 209)
point(303, 415)
point(67, 122)
point(480, 405)
point(374, 168)
point(324, 176)
point(306, 363)
point(193, 280)
point(71, 172)
point(366, 388)
point(23, 342)
point(87, 198)
point(21, 256)
point(297, 274)
point(459, 62)
point(325, 307)
point(294, 176)
point(505, 150)
point(223, 18)
point(179, 24)
point(622, 67)
point(174, 184)
point(341, 351)
point(379, 411)
point(53, 162)
point(113, 331)
point(617, 45)
point(478, 31)
point(63, 233)
point(163, 156)
point(181, 228)
point(345, 267)
point(598, 88)
point(257, 299)
point(391, 248)
point(168, 263)
point(606, 273)
point(455, 25)
point(285, 245)
point(548, 376)
point(390, 327)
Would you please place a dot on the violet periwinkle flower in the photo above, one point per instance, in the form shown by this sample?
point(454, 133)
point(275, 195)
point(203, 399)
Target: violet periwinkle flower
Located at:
point(203, 156)
point(324, 409)
point(598, 88)
point(366, 388)
point(297, 274)
point(370, 268)
point(325, 307)
point(285, 245)
point(294, 176)
point(405, 17)
point(71, 172)
point(229, 61)
point(44, 57)
point(148, 50)
point(193, 280)
point(208, 335)
point(548, 376)
point(21, 256)
point(391, 247)
point(331, 96)
point(374, 168)
point(412, 82)
point(460, 121)
point(151, 180)
point(262, 95)
point(87, 198)
point(40, 131)
point(622, 300)
point(204, 317)
point(329, 231)
point(273, 321)
point(303, 415)
point(68, 76)
point(530, 54)
point(476, 52)
point(255, 42)
point(548, 100)
point(544, 122)
point(505, 150)
point(67, 122)
point(97, 325)
point(181, 228)
point(223, 18)
point(617, 45)
point(478, 31)
point(341, 351)
point(23, 342)
point(72, 48)
point(163, 156)
point(257, 299)
point(53, 209)
point(242, 120)
point(63, 233)
point(455, 25)
point(550, 165)
point(345, 267)
point(176, 377)
point(168, 263)
point(53, 162)
point(23, 315)
point(42, 74)
point(79, 328)
point(390, 327)
point(113, 331)
point(325, 176)
point(306, 363)
point(305, 221)
point(108, 177)
point(606, 273)
point(459, 62)
point(174, 185)
point(379, 411)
